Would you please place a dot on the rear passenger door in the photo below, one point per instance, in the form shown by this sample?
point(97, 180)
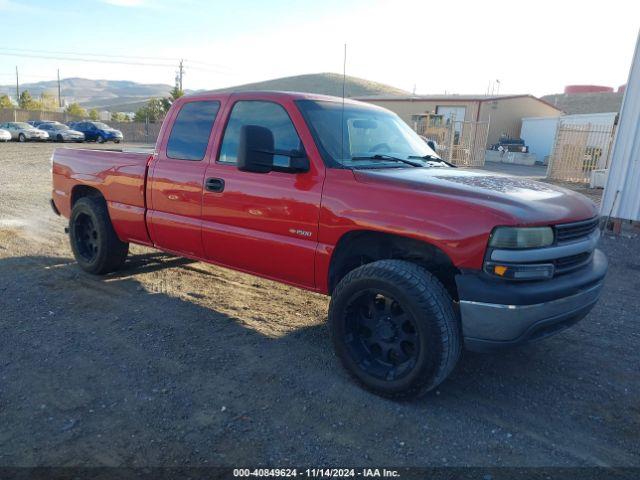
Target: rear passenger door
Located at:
point(176, 175)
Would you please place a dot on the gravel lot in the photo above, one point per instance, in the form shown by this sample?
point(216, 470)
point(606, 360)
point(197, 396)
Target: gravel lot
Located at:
point(174, 362)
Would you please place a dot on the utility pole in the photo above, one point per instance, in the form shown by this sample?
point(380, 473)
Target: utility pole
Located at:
point(180, 73)
point(59, 96)
point(17, 85)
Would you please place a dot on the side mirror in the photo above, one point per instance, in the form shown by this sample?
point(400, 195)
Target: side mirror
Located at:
point(298, 162)
point(255, 149)
point(256, 153)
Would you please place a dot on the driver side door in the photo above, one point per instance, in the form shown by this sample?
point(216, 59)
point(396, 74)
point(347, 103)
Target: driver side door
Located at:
point(262, 223)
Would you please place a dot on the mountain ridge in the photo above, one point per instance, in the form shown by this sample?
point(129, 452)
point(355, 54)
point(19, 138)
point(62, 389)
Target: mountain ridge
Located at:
point(126, 95)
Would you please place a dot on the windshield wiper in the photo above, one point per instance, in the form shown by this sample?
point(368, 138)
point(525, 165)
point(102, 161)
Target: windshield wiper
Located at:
point(431, 158)
point(382, 156)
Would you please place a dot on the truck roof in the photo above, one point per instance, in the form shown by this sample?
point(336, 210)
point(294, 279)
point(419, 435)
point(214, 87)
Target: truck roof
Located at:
point(273, 95)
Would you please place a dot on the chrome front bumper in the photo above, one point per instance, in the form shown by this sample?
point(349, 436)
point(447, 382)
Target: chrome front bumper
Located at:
point(494, 325)
point(501, 314)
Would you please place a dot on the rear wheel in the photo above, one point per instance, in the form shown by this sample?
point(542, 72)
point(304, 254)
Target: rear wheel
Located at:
point(94, 242)
point(59, 138)
point(100, 139)
point(394, 327)
point(22, 138)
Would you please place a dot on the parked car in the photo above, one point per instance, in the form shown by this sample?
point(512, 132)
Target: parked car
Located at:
point(59, 132)
point(37, 123)
point(98, 132)
point(420, 258)
point(23, 132)
point(5, 135)
point(509, 144)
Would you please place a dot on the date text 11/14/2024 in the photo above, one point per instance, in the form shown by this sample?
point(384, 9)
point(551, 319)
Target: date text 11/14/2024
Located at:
point(316, 472)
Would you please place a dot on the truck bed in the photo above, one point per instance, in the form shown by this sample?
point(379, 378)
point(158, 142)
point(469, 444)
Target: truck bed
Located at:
point(118, 175)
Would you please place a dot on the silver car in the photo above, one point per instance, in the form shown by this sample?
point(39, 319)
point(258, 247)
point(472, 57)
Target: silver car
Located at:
point(23, 132)
point(5, 135)
point(58, 132)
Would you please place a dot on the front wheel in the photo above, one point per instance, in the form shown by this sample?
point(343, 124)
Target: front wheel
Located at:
point(394, 328)
point(22, 138)
point(94, 242)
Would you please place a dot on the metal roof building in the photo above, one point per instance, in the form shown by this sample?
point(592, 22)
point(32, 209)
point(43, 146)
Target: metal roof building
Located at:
point(502, 112)
point(621, 197)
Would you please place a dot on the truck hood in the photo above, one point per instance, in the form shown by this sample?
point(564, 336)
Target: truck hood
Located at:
point(518, 200)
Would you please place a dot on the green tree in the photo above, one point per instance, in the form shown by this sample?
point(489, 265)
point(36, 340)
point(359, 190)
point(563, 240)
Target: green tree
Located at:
point(48, 102)
point(27, 102)
point(93, 114)
point(76, 110)
point(152, 112)
point(118, 117)
point(5, 102)
point(174, 94)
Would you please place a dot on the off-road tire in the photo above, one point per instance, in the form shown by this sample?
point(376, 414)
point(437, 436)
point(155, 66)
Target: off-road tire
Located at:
point(109, 251)
point(437, 322)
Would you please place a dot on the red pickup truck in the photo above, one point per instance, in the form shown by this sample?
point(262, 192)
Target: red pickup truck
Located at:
point(420, 258)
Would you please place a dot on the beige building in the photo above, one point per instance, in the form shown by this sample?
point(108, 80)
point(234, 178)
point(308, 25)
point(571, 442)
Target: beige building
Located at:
point(503, 112)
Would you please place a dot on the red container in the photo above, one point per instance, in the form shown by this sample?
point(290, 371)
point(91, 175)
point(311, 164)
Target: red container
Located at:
point(570, 89)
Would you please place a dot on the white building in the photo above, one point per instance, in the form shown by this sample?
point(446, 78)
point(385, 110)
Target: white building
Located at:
point(539, 133)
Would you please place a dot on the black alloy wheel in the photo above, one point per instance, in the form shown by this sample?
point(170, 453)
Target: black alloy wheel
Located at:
point(381, 336)
point(86, 237)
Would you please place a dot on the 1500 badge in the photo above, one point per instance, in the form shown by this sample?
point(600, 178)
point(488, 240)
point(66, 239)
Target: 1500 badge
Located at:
point(298, 231)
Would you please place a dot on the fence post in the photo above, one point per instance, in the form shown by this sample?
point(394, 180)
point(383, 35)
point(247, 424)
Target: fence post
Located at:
point(553, 149)
point(452, 134)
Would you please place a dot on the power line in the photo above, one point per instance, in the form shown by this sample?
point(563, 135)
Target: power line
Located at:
point(86, 60)
point(105, 55)
point(88, 53)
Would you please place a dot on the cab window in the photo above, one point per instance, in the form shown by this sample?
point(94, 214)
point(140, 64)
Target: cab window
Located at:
point(264, 114)
point(191, 130)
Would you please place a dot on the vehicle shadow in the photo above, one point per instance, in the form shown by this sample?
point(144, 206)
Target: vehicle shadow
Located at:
point(101, 371)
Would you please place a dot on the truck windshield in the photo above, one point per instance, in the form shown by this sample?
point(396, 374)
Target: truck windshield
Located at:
point(371, 136)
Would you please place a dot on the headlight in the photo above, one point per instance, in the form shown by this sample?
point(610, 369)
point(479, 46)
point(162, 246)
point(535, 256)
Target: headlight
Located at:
point(527, 237)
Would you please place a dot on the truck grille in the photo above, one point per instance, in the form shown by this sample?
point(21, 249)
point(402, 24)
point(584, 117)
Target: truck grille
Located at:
point(568, 264)
point(574, 231)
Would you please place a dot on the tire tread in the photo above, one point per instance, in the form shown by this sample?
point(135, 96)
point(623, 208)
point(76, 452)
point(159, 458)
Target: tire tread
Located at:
point(115, 251)
point(431, 296)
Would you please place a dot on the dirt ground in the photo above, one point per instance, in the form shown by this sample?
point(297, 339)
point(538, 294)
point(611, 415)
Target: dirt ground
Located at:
point(174, 362)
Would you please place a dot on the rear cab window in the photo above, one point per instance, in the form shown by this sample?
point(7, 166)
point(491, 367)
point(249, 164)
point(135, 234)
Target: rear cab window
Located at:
point(191, 130)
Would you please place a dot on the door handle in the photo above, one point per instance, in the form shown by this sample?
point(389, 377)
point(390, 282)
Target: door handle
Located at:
point(214, 184)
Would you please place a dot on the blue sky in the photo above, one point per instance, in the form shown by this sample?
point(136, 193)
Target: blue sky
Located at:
point(455, 47)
